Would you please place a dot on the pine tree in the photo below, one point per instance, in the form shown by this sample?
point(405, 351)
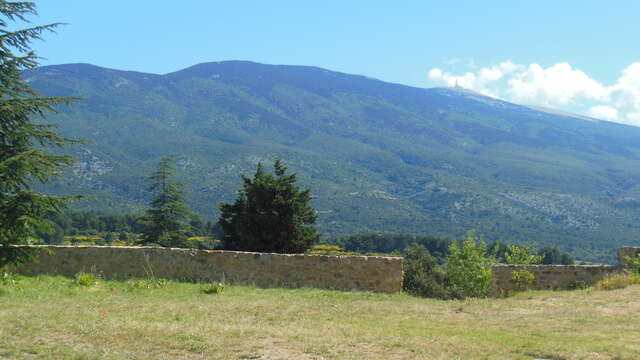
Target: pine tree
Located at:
point(271, 214)
point(24, 158)
point(168, 217)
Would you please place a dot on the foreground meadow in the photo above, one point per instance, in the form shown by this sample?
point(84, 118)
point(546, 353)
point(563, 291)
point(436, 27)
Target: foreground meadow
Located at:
point(59, 318)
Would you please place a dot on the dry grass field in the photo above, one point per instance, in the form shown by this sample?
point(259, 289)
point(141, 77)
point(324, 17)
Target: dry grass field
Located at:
point(59, 318)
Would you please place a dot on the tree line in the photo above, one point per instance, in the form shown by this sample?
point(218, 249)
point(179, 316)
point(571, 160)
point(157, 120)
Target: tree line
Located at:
point(439, 247)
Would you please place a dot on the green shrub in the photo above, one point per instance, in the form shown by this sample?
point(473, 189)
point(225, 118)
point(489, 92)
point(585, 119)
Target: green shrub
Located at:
point(422, 276)
point(634, 264)
point(522, 279)
point(469, 268)
point(212, 288)
point(618, 281)
point(86, 279)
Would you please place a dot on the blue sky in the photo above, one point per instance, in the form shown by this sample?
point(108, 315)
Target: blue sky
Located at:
point(573, 55)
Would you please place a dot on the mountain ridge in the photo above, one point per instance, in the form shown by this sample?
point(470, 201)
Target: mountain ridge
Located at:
point(190, 69)
point(377, 156)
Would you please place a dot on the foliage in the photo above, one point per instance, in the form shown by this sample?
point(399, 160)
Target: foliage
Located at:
point(271, 214)
point(553, 255)
point(86, 279)
point(523, 279)
point(212, 288)
point(618, 281)
point(24, 158)
point(16, 255)
point(521, 255)
point(167, 218)
point(7, 277)
point(469, 267)
point(389, 243)
point(422, 275)
point(633, 263)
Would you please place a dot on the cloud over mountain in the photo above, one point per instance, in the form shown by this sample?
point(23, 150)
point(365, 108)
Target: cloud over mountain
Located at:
point(560, 85)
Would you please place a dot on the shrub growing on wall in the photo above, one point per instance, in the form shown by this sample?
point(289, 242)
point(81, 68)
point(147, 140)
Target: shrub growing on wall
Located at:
point(519, 255)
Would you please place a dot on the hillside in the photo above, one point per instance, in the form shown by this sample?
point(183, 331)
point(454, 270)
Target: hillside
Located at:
point(377, 156)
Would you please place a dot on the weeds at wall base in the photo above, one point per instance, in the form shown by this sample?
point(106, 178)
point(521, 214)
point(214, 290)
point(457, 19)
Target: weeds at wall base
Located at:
point(148, 284)
point(619, 281)
point(86, 279)
point(7, 277)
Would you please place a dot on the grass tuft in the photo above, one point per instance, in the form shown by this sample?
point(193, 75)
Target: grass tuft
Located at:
point(8, 278)
point(147, 284)
point(86, 279)
point(212, 288)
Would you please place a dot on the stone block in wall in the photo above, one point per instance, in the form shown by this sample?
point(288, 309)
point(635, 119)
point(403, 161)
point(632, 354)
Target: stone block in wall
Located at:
point(627, 251)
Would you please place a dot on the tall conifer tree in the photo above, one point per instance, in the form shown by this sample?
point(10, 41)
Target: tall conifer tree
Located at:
point(168, 217)
point(271, 214)
point(24, 142)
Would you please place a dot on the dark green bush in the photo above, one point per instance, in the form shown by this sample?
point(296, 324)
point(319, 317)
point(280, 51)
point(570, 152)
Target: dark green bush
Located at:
point(422, 275)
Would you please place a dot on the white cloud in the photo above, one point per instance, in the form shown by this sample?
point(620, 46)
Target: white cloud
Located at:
point(560, 85)
point(435, 74)
point(603, 112)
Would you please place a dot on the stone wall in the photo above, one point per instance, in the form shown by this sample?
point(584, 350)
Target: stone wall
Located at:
point(369, 273)
point(623, 252)
point(551, 277)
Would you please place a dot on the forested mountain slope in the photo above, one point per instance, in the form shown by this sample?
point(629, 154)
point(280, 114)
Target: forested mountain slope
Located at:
point(377, 156)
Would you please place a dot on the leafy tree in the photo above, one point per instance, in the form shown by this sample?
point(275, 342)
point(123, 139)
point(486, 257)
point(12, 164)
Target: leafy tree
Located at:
point(271, 214)
point(469, 267)
point(24, 158)
point(168, 217)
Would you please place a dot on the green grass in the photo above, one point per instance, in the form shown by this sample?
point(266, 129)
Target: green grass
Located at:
point(53, 318)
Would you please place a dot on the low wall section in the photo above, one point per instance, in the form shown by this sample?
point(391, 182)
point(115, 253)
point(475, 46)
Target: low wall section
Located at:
point(559, 277)
point(369, 273)
point(551, 277)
